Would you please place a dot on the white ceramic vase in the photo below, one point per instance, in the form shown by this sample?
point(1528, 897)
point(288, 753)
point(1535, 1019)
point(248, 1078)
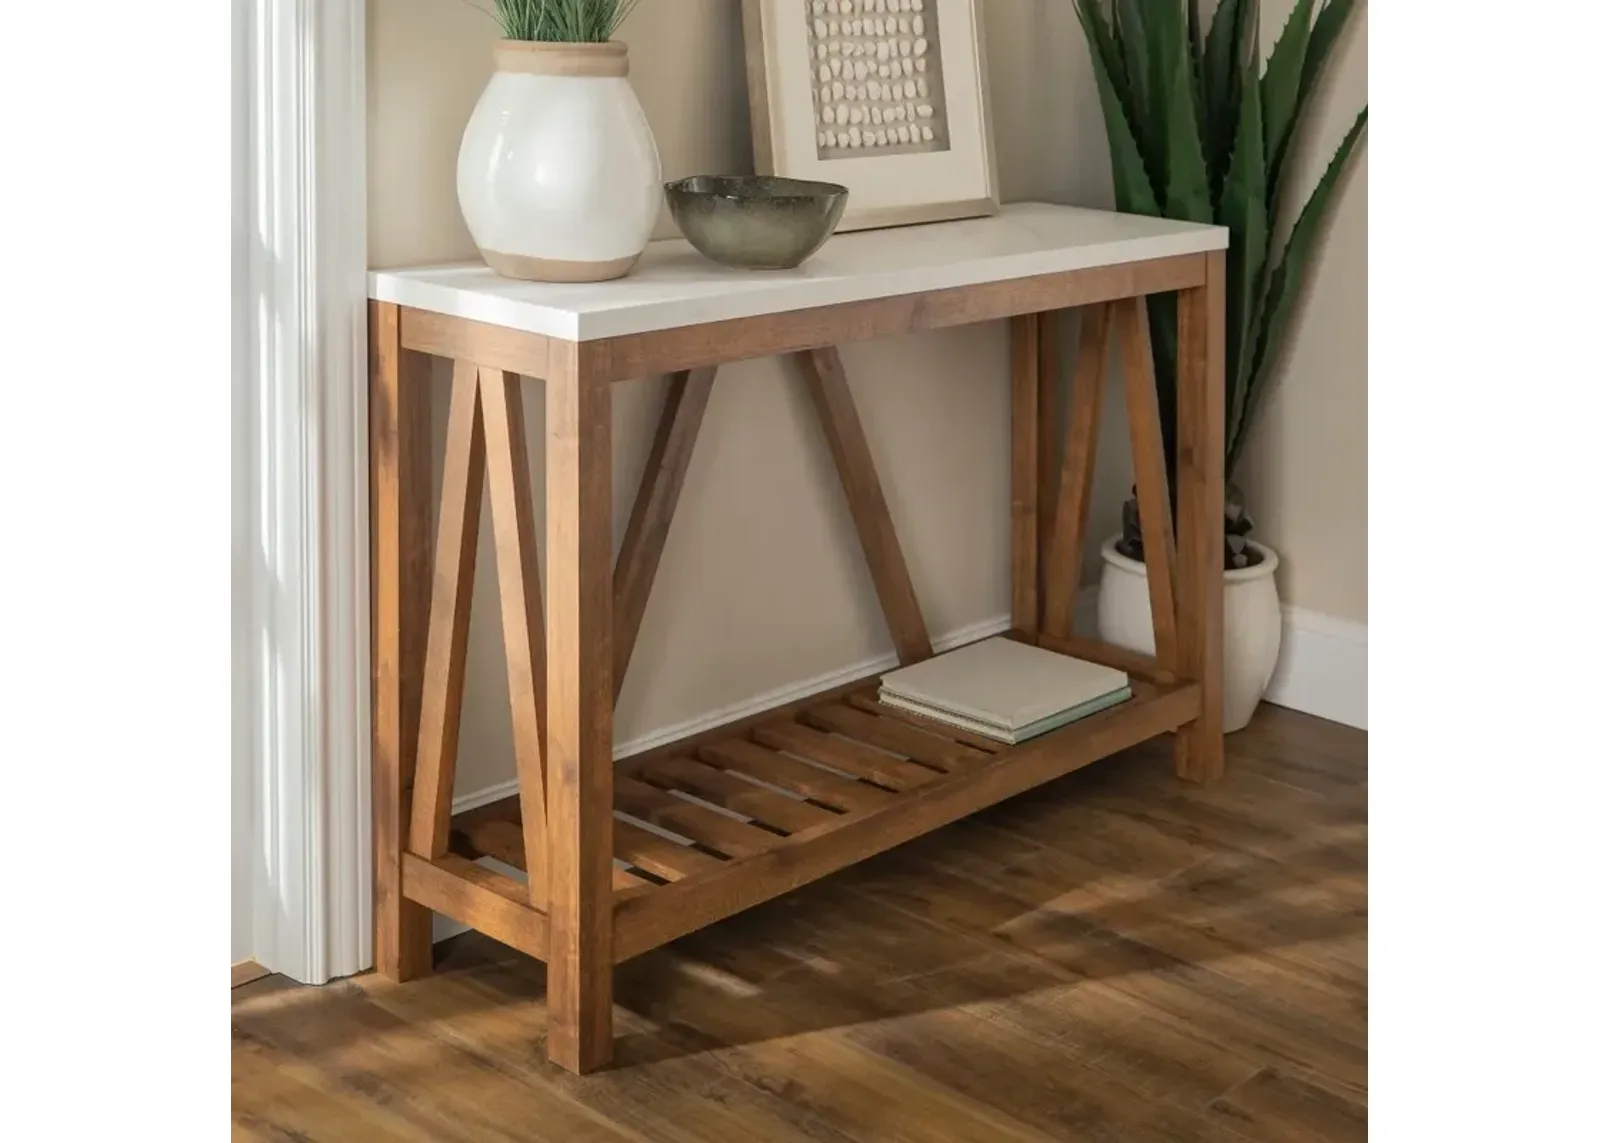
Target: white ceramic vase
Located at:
point(1252, 624)
point(558, 175)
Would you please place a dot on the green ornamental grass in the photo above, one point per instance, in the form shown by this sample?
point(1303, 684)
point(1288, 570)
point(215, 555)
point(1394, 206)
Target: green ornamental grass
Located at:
point(561, 21)
point(1200, 131)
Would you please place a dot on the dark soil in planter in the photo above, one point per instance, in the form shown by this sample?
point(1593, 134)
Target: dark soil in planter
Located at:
point(1237, 525)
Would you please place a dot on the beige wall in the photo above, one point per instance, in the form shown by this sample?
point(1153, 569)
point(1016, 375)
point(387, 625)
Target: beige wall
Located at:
point(762, 583)
point(1305, 468)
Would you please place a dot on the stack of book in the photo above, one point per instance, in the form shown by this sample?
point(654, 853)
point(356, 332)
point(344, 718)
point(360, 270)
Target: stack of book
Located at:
point(1003, 689)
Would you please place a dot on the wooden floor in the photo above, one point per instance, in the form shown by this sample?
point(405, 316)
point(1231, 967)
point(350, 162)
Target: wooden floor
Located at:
point(1113, 957)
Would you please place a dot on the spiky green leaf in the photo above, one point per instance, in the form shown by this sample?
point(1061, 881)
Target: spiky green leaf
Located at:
point(1287, 282)
point(1280, 87)
point(1143, 109)
point(1244, 213)
point(1188, 183)
point(1324, 35)
point(1219, 108)
point(1134, 190)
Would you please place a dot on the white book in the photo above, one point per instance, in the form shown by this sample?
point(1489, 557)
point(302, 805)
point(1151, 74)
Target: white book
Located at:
point(1005, 686)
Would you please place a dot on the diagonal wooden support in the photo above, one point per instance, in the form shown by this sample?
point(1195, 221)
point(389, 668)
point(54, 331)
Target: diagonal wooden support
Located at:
point(664, 472)
point(1064, 564)
point(460, 504)
point(521, 609)
point(1149, 471)
point(825, 379)
point(1049, 439)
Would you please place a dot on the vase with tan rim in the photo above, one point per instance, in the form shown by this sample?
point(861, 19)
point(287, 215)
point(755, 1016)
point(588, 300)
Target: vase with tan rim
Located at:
point(558, 175)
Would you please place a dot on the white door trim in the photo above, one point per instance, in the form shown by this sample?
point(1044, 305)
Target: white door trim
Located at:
point(302, 680)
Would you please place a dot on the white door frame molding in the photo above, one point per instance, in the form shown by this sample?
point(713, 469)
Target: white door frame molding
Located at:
point(301, 672)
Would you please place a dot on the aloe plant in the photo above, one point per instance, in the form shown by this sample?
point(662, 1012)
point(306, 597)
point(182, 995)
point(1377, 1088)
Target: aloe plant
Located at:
point(1199, 132)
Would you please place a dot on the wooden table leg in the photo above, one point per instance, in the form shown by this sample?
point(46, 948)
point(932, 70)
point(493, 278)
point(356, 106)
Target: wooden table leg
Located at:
point(579, 795)
point(1200, 515)
point(400, 486)
point(1025, 473)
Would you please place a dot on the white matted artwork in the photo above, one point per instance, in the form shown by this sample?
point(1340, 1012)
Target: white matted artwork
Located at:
point(886, 97)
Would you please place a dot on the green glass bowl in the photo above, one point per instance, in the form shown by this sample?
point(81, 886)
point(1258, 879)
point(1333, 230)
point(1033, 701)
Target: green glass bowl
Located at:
point(756, 222)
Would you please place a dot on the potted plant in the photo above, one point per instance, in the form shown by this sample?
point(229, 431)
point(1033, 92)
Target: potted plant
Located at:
point(1199, 132)
point(558, 175)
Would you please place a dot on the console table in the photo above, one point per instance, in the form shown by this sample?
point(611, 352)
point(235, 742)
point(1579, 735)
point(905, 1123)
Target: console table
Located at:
point(600, 889)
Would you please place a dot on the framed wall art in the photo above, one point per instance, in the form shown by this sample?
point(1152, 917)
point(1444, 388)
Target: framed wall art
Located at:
point(886, 97)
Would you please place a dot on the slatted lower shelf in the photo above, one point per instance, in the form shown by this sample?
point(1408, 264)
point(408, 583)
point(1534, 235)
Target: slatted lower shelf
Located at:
point(725, 820)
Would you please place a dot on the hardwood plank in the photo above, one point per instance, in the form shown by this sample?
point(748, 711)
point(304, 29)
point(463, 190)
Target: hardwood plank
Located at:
point(400, 487)
point(867, 701)
point(1106, 956)
point(245, 971)
point(521, 611)
point(731, 792)
point(460, 507)
point(579, 697)
point(655, 854)
point(1271, 1106)
point(1075, 481)
point(1025, 472)
point(708, 828)
point(689, 347)
point(865, 762)
point(1150, 471)
point(791, 774)
point(491, 346)
point(825, 379)
point(1200, 515)
point(889, 733)
point(664, 472)
point(490, 902)
point(674, 910)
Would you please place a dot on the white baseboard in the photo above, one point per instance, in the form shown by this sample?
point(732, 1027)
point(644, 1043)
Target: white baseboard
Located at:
point(1322, 668)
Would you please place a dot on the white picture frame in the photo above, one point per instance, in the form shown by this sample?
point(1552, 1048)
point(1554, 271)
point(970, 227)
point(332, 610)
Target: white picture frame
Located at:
point(916, 93)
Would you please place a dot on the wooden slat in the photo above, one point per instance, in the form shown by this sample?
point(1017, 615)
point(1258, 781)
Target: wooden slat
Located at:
point(867, 701)
point(521, 609)
point(501, 838)
point(1136, 665)
point(492, 346)
point(646, 537)
point(1149, 470)
point(579, 696)
point(688, 347)
point(1200, 515)
point(891, 734)
point(824, 376)
point(865, 762)
point(733, 793)
point(669, 912)
point(490, 902)
point(460, 507)
point(655, 854)
point(401, 487)
point(706, 827)
point(1049, 436)
point(1074, 485)
point(791, 774)
point(1025, 472)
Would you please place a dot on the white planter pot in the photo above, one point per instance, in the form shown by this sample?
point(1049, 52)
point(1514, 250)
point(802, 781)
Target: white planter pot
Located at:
point(1252, 625)
point(558, 175)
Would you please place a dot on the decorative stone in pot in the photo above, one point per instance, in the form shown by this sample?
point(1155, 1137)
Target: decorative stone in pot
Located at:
point(558, 175)
point(1252, 624)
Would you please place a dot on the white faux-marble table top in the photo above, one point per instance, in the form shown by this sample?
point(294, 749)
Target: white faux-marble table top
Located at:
point(675, 286)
